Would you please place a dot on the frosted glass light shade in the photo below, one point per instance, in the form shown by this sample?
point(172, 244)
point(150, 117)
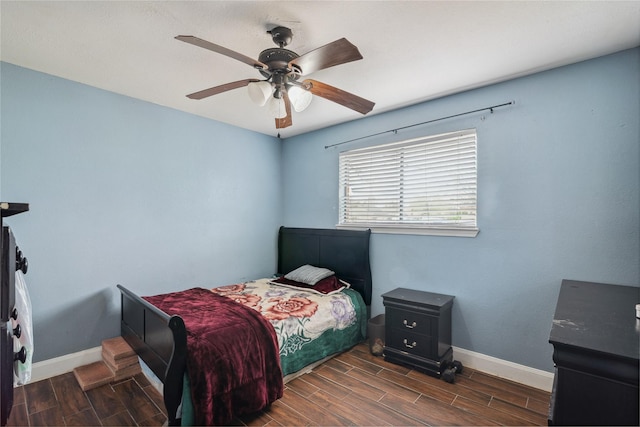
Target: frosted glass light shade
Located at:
point(300, 98)
point(259, 92)
point(277, 108)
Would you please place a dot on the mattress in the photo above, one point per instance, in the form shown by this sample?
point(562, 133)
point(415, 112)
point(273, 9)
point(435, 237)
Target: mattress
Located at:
point(309, 325)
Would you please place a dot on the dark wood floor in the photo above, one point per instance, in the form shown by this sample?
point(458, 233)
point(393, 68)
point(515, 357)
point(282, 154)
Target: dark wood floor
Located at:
point(354, 388)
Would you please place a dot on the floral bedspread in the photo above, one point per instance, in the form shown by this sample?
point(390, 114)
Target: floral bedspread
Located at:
point(309, 326)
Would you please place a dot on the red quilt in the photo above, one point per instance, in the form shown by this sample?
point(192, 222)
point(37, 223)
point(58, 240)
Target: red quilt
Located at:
point(233, 358)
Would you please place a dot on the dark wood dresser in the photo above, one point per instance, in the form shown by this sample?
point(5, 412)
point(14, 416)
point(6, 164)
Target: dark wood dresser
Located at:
point(10, 260)
point(596, 346)
point(418, 329)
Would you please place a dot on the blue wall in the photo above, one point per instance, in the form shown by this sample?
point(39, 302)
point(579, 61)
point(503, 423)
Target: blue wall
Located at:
point(558, 188)
point(123, 191)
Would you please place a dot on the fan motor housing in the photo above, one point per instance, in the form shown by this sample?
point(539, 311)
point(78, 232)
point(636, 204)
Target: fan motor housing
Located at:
point(277, 59)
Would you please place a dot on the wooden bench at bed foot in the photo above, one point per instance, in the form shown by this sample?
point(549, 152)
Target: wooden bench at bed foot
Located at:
point(119, 361)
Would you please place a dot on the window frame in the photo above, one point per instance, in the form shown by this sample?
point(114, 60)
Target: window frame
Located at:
point(429, 144)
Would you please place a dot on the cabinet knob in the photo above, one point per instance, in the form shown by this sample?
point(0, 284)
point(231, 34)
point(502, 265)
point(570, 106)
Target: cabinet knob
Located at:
point(17, 331)
point(24, 265)
point(412, 345)
point(21, 261)
point(410, 326)
point(21, 355)
point(14, 313)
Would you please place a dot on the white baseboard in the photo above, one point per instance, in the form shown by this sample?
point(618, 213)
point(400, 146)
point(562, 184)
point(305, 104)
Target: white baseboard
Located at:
point(63, 364)
point(522, 374)
point(501, 368)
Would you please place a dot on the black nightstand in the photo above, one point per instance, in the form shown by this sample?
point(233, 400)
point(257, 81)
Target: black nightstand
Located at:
point(418, 331)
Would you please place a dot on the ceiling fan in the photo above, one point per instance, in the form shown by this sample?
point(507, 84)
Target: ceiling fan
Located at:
point(282, 70)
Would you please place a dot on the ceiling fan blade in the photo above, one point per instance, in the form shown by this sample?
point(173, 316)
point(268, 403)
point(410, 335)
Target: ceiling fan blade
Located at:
point(219, 89)
point(335, 53)
point(286, 121)
point(221, 50)
point(340, 96)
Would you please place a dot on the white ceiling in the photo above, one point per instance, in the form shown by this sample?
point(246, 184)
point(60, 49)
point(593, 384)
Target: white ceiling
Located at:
point(413, 50)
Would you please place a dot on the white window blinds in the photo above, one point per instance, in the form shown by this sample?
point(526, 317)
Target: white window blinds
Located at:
point(423, 183)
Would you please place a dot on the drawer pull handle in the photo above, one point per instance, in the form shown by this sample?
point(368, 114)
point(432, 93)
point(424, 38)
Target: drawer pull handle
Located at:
point(410, 326)
point(21, 355)
point(412, 345)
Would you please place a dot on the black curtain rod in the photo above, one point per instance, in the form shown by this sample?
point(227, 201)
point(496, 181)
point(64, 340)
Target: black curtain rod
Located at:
point(423, 123)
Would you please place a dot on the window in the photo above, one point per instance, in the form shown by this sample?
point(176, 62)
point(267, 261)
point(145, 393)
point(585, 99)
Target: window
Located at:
point(421, 186)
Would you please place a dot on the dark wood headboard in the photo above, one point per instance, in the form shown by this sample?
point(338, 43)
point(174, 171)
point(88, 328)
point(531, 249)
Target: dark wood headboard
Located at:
point(344, 251)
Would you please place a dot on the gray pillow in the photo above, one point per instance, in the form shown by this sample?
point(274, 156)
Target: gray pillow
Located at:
point(309, 274)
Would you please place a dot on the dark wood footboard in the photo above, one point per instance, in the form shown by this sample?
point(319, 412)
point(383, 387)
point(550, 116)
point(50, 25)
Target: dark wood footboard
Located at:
point(161, 342)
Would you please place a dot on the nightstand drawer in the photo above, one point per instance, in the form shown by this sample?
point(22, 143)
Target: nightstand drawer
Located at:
point(412, 343)
point(409, 321)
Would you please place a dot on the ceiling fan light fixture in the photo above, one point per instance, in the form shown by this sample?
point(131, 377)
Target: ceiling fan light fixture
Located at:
point(300, 98)
point(277, 107)
point(281, 69)
point(259, 92)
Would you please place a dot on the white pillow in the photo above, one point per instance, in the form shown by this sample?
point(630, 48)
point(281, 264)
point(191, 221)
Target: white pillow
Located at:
point(309, 274)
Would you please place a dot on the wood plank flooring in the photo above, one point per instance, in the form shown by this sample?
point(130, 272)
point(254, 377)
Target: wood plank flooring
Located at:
point(354, 388)
point(59, 401)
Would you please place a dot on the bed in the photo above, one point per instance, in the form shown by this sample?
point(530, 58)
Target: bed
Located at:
point(160, 339)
